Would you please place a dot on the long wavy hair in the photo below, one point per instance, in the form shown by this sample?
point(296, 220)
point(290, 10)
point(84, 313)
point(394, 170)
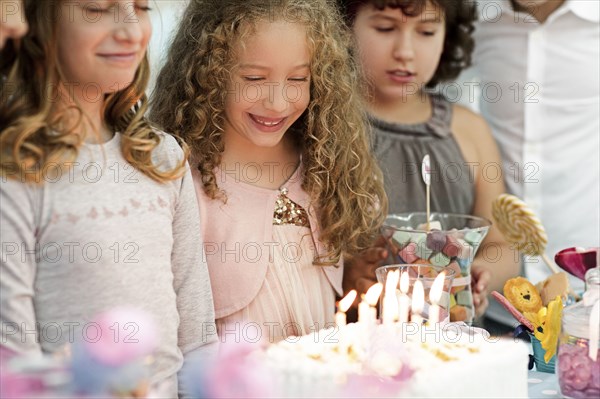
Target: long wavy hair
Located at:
point(459, 16)
point(34, 133)
point(339, 172)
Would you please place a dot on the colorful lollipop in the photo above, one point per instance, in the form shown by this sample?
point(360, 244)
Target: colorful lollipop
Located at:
point(521, 227)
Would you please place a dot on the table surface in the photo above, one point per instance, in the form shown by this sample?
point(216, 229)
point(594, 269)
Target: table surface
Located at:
point(543, 385)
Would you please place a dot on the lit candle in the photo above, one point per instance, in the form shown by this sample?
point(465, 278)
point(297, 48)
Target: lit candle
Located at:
point(390, 300)
point(403, 300)
point(366, 308)
point(435, 295)
point(343, 306)
point(418, 302)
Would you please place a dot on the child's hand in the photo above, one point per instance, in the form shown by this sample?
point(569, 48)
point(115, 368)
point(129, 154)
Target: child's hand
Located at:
point(359, 271)
point(481, 277)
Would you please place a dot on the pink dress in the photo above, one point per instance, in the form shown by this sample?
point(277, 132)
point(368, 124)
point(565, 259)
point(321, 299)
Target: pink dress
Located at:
point(260, 247)
point(296, 297)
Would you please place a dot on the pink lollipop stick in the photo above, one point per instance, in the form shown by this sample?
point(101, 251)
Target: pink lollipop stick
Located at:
point(512, 310)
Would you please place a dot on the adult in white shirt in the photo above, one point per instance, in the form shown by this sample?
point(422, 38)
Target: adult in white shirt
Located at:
point(536, 63)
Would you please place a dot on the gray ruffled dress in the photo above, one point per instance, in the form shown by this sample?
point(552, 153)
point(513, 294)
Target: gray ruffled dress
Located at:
point(400, 149)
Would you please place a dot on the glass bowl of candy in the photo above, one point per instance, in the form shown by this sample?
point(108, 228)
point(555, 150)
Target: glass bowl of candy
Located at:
point(578, 363)
point(445, 240)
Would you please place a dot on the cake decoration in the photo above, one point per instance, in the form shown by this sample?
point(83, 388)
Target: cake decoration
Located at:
point(542, 322)
point(522, 228)
point(115, 364)
point(512, 310)
point(519, 225)
point(577, 260)
point(555, 284)
point(546, 323)
point(522, 295)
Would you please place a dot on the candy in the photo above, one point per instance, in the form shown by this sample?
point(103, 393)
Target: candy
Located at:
point(464, 266)
point(578, 375)
point(595, 383)
point(457, 288)
point(578, 383)
point(452, 247)
point(466, 251)
point(420, 261)
point(564, 360)
point(401, 238)
point(473, 237)
point(582, 365)
point(458, 313)
point(438, 247)
point(519, 225)
point(409, 253)
point(584, 374)
point(454, 266)
point(422, 250)
point(436, 240)
point(464, 298)
point(439, 259)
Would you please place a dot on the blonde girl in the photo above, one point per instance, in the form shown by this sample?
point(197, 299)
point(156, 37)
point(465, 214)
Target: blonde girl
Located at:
point(265, 94)
point(98, 208)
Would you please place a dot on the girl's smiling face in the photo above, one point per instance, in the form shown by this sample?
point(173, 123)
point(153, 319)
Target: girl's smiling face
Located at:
point(399, 53)
point(270, 85)
point(102, 43)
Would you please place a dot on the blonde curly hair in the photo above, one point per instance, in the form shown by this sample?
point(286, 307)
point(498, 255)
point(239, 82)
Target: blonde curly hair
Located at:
point(339, 172)
point(34, 134)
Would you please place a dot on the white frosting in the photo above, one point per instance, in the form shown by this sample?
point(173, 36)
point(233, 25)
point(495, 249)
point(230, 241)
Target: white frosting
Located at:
point(455, 361)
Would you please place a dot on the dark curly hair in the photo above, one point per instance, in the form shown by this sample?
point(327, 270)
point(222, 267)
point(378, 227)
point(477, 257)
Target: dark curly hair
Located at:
point(459, 16)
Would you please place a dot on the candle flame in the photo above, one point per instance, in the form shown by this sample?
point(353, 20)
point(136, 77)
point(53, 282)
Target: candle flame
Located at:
point(347, 301)
point(435, 294)
point(404, 283)
point(373, 294)
point(418, 297)
point(391, 282)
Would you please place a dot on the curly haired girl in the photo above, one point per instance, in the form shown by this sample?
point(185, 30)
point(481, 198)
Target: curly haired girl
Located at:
point(265, 94)
point(98, 208)
point(407, 47)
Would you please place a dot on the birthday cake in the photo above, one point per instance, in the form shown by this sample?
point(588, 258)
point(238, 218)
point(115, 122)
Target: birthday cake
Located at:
point(400, 360)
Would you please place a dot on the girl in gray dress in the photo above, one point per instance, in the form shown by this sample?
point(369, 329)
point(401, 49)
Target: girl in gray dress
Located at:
point(406, 48)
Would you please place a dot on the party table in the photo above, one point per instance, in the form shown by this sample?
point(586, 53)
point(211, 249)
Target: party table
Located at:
point(543, 385)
